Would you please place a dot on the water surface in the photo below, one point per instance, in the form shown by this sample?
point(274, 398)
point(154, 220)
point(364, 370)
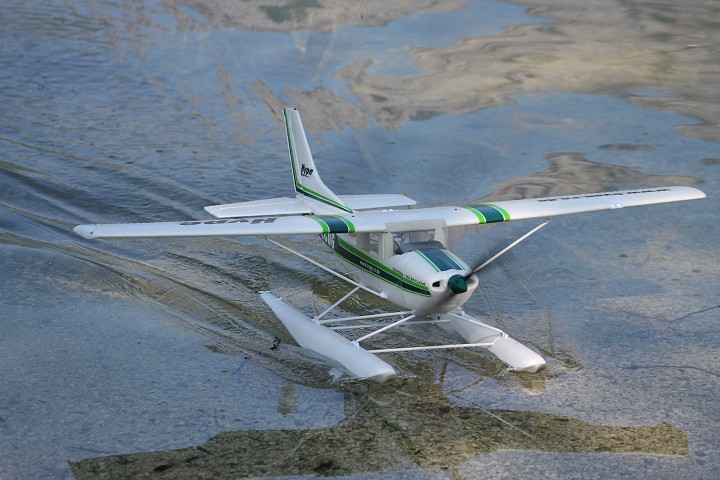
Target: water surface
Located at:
point(128, 111)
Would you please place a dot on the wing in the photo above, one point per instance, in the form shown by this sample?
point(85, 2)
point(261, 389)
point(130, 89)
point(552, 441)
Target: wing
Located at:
point(262, 226)
point(590, 202)
point(503, 211)
point(395, 221)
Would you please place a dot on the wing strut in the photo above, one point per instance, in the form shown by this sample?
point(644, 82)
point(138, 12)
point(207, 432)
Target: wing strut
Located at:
point(509, 247)
point(317, 318)
point(329, 270)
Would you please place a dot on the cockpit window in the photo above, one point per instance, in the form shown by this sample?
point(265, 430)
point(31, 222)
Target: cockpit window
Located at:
point(440, 259)
point(412, 246)
point(405, 242)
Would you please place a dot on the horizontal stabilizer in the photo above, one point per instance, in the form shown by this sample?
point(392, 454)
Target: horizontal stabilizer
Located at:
point(258, 208)
point(375, 202)
point(301, 206)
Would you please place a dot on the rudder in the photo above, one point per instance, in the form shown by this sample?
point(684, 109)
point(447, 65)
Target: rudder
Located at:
point(305, 175)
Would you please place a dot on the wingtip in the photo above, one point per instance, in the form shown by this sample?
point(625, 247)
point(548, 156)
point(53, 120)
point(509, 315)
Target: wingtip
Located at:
point(85, 231)
point(694, 193)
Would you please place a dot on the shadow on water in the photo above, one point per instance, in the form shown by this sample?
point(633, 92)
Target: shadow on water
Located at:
point(407, 423)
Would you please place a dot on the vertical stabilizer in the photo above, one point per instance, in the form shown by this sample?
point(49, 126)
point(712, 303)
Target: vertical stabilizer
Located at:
point(307, 179)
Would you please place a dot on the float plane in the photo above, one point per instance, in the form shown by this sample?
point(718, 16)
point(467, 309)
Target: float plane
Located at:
point(393, 250)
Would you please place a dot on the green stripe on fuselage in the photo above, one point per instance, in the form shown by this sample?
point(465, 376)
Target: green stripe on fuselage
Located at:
point(488, 213)
point(366, 263)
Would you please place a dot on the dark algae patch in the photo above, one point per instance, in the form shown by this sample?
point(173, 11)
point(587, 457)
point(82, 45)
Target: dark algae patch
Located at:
point(404, 424)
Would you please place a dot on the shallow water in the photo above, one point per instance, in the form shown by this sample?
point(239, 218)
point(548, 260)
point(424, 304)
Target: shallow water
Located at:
point(129, 111)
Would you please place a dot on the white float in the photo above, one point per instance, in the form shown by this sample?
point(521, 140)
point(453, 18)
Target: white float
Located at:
point(516, 355)
point(327, 343)
point(363, 363)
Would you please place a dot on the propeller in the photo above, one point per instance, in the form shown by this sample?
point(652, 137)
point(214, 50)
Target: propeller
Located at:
point(457, 284)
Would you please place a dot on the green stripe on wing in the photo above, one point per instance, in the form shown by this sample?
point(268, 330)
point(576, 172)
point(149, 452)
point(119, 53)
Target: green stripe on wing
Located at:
point(488, 213)
point(334, 224)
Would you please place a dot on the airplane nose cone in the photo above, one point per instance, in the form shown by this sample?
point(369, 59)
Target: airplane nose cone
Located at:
point(457, 284)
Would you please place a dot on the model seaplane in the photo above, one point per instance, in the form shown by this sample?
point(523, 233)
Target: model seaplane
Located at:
point(393, 251)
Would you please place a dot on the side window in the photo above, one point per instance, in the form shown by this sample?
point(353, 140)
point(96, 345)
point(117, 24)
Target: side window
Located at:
point(423, 236)
point(373, 244)
point(397, 242)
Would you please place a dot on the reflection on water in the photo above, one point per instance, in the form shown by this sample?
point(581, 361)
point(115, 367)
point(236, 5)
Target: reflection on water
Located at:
point(571, 173)
point(613, 50)
point(297, 15)
point(407, 424)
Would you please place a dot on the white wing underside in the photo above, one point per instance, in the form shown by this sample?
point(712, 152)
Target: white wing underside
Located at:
point(287, 218)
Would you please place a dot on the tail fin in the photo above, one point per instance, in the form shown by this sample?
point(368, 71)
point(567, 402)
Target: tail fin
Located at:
point(307, 179)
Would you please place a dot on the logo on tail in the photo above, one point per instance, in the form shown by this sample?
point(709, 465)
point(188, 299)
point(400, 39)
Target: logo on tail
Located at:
point(305, 171)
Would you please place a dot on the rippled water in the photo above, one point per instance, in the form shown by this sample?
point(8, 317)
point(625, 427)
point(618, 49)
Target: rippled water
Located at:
point(148, 111)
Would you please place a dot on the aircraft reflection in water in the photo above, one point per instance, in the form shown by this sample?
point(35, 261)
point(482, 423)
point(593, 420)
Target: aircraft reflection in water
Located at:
point(405, 424)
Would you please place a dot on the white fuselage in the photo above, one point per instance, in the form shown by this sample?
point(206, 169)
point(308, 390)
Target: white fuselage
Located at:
point(412, 275)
